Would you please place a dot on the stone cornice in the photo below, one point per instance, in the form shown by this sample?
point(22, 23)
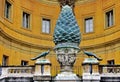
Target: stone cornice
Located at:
point(50, 2)
point(102, 34)
point(83, 1)
point(10, 38)
point(55, 2)
point(101, 45)
point(115, 41)
point(26, 34)
point(50, 39)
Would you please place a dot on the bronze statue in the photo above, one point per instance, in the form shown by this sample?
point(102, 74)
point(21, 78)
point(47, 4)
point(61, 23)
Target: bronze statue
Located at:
point(92, 54)
point(44, 54)
point(67, 2)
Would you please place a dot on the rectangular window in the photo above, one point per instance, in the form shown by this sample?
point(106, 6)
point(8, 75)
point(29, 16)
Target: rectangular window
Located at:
point(110, 62)
point(26, 20)
point(7, 9)
point(46, 26)
point(5, 60)
point(24, 63)
point(109, 18)
point(88, 25)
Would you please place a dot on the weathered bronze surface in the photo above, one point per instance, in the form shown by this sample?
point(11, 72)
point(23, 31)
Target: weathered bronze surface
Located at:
point(67, 32)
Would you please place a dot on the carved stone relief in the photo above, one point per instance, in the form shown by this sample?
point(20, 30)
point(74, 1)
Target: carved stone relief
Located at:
point(66, 57)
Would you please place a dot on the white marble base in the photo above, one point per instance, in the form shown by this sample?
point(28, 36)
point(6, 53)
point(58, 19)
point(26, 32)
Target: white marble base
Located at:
point(67, 77)
point(87, 77)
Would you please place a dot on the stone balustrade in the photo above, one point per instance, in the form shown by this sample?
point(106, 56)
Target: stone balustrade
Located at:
point(18, 70)
point(24, 71)
point(109, 69)
point(109, 73)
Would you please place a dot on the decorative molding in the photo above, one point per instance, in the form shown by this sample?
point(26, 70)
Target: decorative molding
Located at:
point(26, 34)
point(50, 39)
point(20, 43)
point(56, 1)
point(105, 48)
point(84, 1)
point(102, 35)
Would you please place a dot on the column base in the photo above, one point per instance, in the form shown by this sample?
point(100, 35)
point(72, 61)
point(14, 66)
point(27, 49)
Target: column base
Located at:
point(67, 77)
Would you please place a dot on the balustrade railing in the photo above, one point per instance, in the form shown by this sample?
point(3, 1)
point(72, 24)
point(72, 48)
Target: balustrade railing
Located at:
point(16, 70)
point(29, 70)
point(109, 69)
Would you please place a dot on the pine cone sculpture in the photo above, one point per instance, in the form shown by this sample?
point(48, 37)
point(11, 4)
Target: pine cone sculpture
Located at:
point(67, 32)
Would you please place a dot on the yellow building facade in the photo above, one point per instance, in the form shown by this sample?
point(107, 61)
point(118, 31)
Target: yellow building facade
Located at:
point(19, 42)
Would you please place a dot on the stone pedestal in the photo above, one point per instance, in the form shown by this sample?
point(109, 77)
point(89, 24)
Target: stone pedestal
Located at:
point(67, 38)
point(66, 57)
point(90, 70)
point(42, 71)
point(66, 77)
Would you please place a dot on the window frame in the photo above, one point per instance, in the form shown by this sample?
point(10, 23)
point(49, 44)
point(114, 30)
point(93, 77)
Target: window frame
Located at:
point(29, 20)
point(6, 62)
point(111, 61)
point(106, 18)
point(107, 9)
point(10, 18)
point(85, 18)
point(46, 20)
point(24, 62)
